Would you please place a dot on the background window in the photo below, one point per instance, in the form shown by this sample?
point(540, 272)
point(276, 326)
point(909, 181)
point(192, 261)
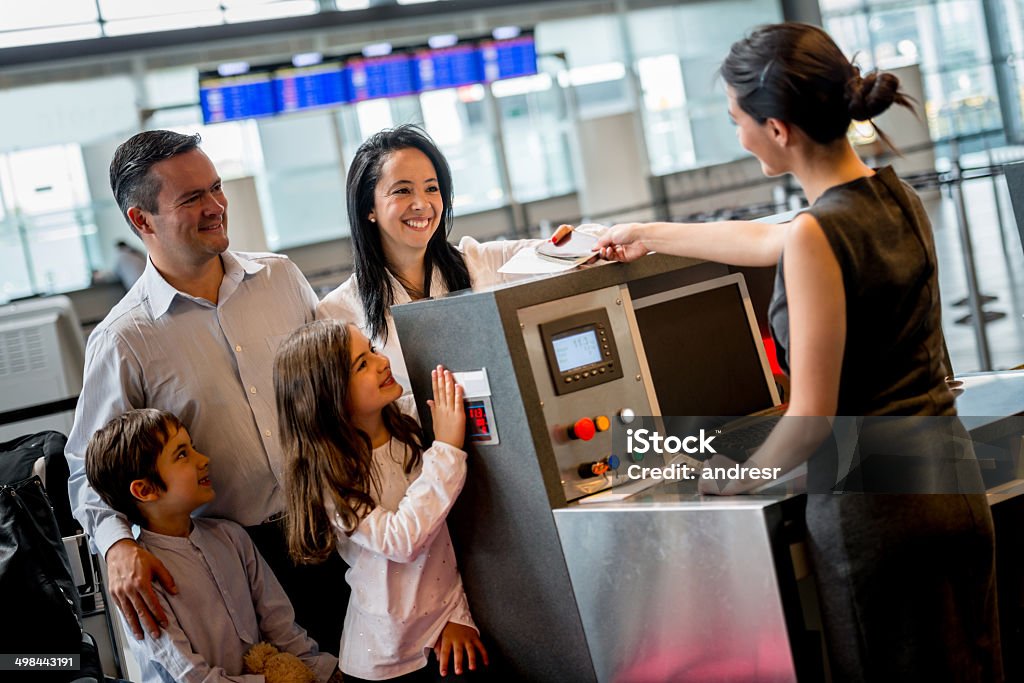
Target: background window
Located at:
point(536, 130)
point(678, 52)
point(47, 208)
point(946, 38)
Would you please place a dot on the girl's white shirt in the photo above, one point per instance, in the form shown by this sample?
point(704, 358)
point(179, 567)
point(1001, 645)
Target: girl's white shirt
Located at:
point(482, 260)
point(405, 582)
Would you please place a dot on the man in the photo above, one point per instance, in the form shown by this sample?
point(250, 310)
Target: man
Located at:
point(196, 337)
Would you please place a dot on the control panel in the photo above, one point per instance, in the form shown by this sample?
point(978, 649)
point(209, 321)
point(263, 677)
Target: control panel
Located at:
point(591, 379)
point(580, 351)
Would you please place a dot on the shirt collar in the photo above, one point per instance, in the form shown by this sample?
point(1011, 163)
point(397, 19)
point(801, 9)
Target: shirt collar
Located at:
point(161, 293)
point(237, 266)
point(151, 538)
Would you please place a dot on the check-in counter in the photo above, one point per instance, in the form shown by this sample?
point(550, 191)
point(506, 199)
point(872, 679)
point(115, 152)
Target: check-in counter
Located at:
point(649, 580)
point(991, 406)
point(575, 571)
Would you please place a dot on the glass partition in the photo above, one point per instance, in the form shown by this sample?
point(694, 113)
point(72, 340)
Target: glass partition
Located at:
point(677, 53)
point(946, 38)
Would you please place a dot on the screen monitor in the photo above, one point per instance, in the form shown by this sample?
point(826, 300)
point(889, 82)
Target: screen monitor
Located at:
point(227, 98)
point(389, 76)
point(509, 58)
point(576, 348)
point(704, 350)
point(42, 360)
point(448, 67)
point(309, 87)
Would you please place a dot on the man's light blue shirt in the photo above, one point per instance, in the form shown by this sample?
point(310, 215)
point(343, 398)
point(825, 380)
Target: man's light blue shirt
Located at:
point(209, 364)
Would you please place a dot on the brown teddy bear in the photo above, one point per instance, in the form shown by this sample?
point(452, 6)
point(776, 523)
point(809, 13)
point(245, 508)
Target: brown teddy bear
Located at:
point(280, 667)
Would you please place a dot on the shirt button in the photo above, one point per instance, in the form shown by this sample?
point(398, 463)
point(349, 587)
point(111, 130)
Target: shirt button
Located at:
point(252, 390)
point(266, 432)
point(238, 347)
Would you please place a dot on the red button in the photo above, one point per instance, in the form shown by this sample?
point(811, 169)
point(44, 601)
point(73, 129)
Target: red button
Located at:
point(583, 429)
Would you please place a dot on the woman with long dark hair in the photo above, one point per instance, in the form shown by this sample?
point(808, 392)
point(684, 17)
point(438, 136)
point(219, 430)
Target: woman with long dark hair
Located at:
point(906, 579)
point(400, 211)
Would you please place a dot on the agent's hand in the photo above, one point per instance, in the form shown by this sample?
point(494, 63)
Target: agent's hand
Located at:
point(130, 571)
point(621, 242)
point(711, 487)
point(724, 486)
point(446, 408)
point(463, 643)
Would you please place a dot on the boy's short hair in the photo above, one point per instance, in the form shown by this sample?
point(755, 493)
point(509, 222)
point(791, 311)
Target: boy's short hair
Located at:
point(126, 449)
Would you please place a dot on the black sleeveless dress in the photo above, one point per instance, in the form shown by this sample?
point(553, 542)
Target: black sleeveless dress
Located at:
point(906, 580)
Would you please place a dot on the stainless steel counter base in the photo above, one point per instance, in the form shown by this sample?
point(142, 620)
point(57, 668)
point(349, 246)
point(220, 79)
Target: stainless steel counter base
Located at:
point(674, 587)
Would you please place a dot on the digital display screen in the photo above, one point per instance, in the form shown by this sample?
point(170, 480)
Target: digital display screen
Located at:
point(375, 77)
point(477, 421)
point(309, 87)
point(576, 349)
point(282, 88)
point(247, 96)
point(509, 58)
point(449, 67)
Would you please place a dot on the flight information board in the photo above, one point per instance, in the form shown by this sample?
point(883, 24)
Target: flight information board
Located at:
point(309, 87)
point(448, 67)
point(247, 96)
point(283, 88)
point(509, 58)
point(373, 77)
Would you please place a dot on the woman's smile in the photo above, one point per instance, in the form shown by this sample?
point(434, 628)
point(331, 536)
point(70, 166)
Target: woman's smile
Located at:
point(418, 223)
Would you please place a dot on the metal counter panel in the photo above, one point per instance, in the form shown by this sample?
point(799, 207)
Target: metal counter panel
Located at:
point(679, 591)
point(504, 535)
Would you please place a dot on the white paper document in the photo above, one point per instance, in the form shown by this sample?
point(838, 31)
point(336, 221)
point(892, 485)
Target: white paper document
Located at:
point(526, 262)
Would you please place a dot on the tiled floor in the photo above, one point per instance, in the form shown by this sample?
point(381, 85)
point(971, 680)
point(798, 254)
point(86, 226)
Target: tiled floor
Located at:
point(999, 263)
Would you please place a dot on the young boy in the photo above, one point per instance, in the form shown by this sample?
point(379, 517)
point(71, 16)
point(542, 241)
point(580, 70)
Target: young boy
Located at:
point(144, 466)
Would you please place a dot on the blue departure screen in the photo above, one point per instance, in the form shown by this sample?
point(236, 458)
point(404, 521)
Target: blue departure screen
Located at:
point(374, 77)
point(283, 88)
point(236, 97)
point(308, 87)
point(449, 67)
point(509, 58)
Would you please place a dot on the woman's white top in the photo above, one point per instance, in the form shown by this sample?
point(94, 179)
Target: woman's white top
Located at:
point(482, 260)
point(405, 583)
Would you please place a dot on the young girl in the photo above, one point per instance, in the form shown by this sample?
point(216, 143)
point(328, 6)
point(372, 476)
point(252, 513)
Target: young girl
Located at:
point(359, 480)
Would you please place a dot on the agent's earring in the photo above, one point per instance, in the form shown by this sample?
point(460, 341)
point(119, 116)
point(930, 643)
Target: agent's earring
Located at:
point(372, 219)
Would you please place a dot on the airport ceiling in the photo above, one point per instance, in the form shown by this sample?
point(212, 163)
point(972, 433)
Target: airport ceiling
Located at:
point(332, 32)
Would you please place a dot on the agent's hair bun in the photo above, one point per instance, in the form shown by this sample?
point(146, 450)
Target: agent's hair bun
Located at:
point(871, 95)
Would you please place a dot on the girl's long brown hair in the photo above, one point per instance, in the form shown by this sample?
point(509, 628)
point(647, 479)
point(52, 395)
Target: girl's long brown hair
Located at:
point(326, 454)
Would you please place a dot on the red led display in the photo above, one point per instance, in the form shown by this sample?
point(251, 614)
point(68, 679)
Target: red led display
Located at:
point(479, 425)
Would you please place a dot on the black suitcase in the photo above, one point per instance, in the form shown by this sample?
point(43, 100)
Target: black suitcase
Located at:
point(19, 459)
